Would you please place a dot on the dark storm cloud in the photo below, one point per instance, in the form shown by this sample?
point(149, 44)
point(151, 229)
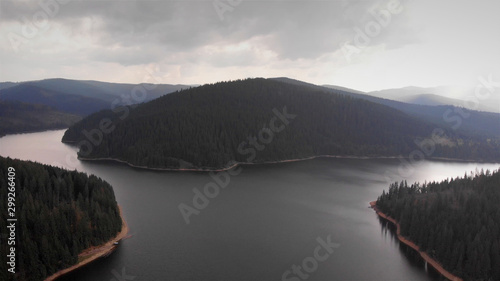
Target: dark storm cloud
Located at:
point(291, 29)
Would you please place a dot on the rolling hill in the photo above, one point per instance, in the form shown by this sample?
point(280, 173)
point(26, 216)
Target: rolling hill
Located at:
point(17, 117)
point(438, 96)
point(260, 120)
point(464, 121)
point(69, 103)
point(431, 99)
point(82, 97)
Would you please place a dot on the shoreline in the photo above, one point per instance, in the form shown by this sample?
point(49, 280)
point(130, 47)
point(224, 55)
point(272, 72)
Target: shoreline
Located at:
point(434, 263)
point(94, 253)
point(236, 164)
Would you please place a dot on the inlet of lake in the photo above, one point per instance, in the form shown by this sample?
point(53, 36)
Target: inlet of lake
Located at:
point(266, 223)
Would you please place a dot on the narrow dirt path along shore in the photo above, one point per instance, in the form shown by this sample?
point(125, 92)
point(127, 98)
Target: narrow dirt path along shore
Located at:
point(93, 253)
point(434, 263)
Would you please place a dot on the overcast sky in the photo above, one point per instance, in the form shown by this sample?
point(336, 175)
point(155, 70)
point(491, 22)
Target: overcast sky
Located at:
point(417, 42)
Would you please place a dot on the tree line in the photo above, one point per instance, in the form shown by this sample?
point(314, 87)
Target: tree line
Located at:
point(456, 221)
point(59, 213)
point(18, 117)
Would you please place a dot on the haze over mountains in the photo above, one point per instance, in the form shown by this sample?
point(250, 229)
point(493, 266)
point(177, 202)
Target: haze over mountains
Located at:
point(58, 103)
point(441, 96)
point(446, 116)
point(434, 96)
point(83, 97)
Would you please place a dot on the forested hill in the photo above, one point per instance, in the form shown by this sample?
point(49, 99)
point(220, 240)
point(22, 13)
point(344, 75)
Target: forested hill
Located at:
point(18, 117)
point(456, 221)
point(81, 97)
point(257, 120)
point(59, 213)
point(466, 122)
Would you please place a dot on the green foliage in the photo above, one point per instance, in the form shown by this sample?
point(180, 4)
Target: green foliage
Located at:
point(457, 221)
point(59, 213)
point(204, 127)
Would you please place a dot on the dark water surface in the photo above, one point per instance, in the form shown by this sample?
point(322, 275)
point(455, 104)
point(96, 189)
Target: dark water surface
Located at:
point(268, 219)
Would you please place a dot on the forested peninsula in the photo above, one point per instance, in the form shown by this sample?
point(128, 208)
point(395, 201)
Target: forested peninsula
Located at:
point(455, 221)
point(58, 214)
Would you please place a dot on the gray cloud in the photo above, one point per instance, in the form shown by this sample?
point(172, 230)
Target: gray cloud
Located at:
point(292, 29)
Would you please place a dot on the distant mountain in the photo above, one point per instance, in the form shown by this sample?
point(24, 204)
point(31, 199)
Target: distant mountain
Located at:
point(17, 117)
point(343, 89)
point(83, 97)
point(106, 91)
point(5, 85)
point(466, 122)
point(431, 99)
point(69, 103)
point(397, 93)
point(259, 120)
point(439, 96)
point(153, 90)
point(414, 95)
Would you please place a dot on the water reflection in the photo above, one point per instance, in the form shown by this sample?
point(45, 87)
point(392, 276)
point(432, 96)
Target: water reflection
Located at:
point(265, 221)
point(388, 229)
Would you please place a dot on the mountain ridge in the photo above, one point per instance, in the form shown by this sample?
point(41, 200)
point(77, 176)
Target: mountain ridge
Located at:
point(83, 97)
point(465, 121)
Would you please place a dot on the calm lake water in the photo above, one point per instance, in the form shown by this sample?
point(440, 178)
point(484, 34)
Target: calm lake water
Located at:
point(268, 219)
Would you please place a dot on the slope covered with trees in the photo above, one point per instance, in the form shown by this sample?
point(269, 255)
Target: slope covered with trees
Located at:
point(214, 124)
point(466, 122)
point(456, 221)
point(18, 117)
point(59, 213)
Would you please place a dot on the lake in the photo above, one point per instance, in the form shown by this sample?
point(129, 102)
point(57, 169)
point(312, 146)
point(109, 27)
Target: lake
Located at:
point(290, 221)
